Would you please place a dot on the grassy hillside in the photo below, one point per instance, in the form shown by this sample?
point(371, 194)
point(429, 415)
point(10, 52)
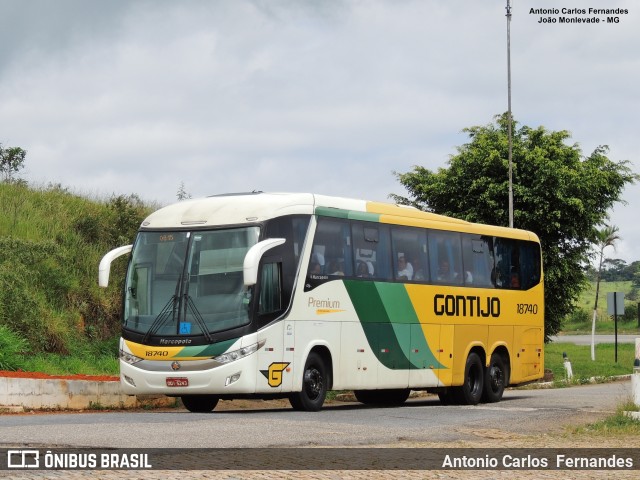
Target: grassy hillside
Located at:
point(51, 242)
point(54, 317)
point(588, 296)
point(580, 321)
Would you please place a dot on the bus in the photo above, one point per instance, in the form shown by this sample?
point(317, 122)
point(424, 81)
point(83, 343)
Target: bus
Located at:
point(286, 295)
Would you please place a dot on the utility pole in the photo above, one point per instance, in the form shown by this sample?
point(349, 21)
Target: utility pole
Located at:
point(509, 113)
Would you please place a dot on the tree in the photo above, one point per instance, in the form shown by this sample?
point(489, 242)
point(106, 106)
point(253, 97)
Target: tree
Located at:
point(125, 215)
point(607, 236)
point(558, 194)
point(182, 193)
point(614, 270)
point(635, 266)
point(11, 161)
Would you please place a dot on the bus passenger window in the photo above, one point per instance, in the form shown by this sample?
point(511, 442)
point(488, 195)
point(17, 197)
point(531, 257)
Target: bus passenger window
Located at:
point(477, 255)
point(330, 253)
point(507, 271)
point(270, 289)
point(445, 257)
point(529, 264)
point(409, 247)
point(370, 250)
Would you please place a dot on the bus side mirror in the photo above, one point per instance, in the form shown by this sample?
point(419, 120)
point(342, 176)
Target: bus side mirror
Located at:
point(252, 259)
point(105, 264)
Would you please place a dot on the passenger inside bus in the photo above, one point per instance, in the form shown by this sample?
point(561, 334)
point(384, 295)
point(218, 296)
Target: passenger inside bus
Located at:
point(444, 272)
point(362, 270)
point(418, 272)
point(336, 268)
point(315, 268)
point(405, 270)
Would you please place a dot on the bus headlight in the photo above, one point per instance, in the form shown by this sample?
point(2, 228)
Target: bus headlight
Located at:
point(240, 353)
point(129, 357)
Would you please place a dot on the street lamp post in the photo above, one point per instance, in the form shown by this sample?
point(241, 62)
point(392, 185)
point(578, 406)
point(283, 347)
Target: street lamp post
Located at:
point(509, 113)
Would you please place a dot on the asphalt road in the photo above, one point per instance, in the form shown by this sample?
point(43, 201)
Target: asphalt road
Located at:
point(586, 339)
point(522, 412)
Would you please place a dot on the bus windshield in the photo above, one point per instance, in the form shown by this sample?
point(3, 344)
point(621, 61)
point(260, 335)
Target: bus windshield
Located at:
point(188, 283)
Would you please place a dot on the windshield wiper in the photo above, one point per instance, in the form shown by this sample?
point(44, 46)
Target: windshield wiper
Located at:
point(168, 311)
point(198, 317)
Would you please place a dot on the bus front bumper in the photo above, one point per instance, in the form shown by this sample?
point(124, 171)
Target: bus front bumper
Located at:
point(235, 377)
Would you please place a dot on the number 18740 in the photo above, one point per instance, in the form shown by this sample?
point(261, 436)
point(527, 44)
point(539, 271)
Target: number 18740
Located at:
point(527, 308)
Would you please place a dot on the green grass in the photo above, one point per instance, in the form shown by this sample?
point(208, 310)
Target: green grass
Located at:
point(583, 367)
point(580, 322)
point(96, 358)
point(583, 326)
point(617, 424)
point(588, 296)
point(54, 364)
point(51, 242)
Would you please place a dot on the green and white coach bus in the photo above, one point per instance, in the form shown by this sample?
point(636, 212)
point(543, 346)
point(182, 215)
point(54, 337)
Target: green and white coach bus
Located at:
point(267, 295)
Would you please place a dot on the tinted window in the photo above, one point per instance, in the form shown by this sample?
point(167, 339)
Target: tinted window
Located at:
point(445, 258)
point(330, 253)
point(478, 260)
point(517, 264)
point(371, 251)
point(409, 254)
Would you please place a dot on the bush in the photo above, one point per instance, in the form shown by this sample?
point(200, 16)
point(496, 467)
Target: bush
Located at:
point(630, 312)
point(577, 320)
point(12, 346)
point(51, 242)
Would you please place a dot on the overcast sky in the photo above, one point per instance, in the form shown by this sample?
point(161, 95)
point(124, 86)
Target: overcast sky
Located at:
point(291, 95)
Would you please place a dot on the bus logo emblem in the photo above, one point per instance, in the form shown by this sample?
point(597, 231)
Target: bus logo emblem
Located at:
point(274, 374)
point(175, 366)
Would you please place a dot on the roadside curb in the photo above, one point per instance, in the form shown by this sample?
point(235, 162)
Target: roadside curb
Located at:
point(350, 397)
point(592, 380)
point(23, 394)
point(18, 395)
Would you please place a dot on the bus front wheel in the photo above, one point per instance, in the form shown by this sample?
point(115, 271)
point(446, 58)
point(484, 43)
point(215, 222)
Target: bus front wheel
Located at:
point(314, 385)
point(199, 403)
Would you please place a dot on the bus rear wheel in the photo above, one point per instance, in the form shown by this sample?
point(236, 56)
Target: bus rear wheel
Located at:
point(495, 379)
point(471, 390)
point(199, 403)
point(396, 396)
point(314, 385)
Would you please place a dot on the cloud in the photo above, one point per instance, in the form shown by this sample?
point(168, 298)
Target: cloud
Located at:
point(137, 96)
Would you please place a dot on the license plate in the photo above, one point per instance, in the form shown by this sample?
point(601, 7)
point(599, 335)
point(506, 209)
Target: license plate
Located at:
point(177, 382)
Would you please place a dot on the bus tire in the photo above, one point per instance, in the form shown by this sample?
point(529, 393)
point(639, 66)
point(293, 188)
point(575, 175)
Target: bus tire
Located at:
point(495, 379)
point(199, 403)
point(314, 385)
point(471, 390)
point(396, 396)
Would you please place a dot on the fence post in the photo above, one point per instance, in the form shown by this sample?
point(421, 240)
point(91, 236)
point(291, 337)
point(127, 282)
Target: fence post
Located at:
point(635, 378)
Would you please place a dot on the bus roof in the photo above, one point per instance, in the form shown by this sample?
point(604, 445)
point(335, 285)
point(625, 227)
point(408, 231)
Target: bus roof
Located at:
point(253, 207)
